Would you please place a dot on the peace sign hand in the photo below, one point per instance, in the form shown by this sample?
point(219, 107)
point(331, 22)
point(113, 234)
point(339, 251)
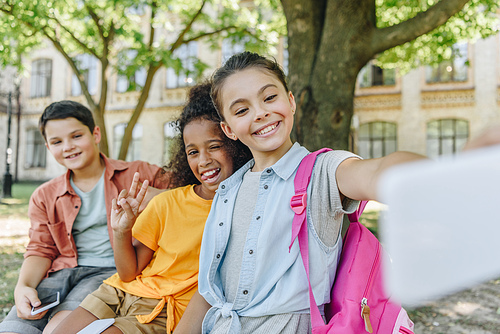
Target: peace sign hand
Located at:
point(125, 208)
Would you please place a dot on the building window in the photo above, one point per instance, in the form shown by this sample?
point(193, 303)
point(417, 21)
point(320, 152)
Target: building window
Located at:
point(129, 82)
point(41, 77)
point(371, 75)
point(230, 47)
point(170, 131)
point(187, 55)
point(377, 139)
point(87, 65)
point(134, 149)
point(453, 70)
point(446, 136)
point(35, 149)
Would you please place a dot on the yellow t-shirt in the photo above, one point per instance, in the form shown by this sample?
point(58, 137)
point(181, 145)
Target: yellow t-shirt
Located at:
point(172, 225)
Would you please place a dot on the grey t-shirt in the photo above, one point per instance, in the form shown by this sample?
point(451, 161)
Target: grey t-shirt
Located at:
point(90, 228)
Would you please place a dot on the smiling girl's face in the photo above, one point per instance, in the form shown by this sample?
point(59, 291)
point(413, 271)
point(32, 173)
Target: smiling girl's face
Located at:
point(207, 155)
point(259, 111)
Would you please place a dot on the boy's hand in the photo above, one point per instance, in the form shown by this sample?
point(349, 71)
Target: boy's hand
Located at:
point(125, 208)
point(26, 297)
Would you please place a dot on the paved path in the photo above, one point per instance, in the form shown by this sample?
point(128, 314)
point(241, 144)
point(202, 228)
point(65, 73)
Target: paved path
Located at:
point(13, 231)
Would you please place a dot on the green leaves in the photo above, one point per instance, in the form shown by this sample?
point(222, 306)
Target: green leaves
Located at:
point(134, 37)
point(477, 20)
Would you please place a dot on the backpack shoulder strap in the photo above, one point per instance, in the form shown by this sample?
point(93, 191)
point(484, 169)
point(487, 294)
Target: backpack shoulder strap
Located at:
point(298, 203)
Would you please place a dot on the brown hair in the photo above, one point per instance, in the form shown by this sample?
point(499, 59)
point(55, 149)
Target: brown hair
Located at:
point(240, 62)
point(66, 109)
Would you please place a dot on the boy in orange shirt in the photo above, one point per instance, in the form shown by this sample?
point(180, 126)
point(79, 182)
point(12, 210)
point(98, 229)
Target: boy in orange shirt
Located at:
point(69, 249)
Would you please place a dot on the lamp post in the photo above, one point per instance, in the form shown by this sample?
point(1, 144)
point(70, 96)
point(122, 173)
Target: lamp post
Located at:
point(7, 177)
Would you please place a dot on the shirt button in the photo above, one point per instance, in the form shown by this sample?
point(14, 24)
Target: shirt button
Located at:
point(223, 187)
point(266, 186)
point(218, 256)
point(225, 201)
point(245, 292)
point(258, 217)
point(268, 171)
point(220, 224)
point(250, 251)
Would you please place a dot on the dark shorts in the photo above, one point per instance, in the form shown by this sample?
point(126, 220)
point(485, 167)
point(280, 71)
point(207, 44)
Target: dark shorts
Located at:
point(73, 284)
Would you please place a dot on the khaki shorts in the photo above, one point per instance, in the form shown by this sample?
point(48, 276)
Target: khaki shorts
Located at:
point(109, 302)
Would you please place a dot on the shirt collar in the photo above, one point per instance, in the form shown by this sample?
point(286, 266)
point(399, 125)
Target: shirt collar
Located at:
point(288, 164)
point(284, 168)
point(111, 166)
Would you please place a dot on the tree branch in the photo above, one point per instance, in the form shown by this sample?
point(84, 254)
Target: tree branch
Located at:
point(95, 18)
point(180, 38)
point(77, 72)
point(154, 6)
point(205, 34)
point(74, 38)
point(421, 24)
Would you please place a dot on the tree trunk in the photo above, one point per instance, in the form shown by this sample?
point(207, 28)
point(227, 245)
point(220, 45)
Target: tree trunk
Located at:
point(328, 44)
point(100, 109)
point(329, 41)
point(99, 121)
point(127, 136)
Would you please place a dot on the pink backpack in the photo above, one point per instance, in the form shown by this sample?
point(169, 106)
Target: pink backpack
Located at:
point(359, 303)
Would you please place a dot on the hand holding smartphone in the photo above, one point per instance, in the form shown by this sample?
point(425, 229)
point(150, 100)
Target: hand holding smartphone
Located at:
point(46, 304)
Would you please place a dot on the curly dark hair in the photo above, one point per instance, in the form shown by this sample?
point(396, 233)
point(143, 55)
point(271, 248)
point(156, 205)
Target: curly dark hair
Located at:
point(199, 106)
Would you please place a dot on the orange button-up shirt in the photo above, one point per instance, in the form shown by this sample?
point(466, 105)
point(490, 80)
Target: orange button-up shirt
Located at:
point(54, 206)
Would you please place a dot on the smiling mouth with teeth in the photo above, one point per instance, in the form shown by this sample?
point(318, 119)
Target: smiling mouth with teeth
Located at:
point(210, 174)
point(267, 129)
point(72, 156)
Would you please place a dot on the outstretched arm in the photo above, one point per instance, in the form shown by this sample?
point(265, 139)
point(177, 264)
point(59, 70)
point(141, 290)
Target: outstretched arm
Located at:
point(357, 179)
point(131, 257)
point(490, 136)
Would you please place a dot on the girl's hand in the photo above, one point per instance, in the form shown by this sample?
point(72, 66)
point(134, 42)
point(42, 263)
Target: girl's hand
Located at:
point(125, 208)
point(490, 136)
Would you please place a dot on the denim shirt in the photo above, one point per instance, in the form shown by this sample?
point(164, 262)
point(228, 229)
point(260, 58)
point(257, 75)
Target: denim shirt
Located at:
point(272, 280)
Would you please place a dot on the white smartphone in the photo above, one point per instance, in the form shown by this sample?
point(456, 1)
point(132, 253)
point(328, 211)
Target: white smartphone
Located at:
point(98, 326)
point(441, 227)
point(47, 303)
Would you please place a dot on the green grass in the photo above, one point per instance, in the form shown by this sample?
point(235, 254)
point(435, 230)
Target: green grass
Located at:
point(12, 248)
point(11, 259)
point(370, 220)
point(23, 190)
point(17, 206)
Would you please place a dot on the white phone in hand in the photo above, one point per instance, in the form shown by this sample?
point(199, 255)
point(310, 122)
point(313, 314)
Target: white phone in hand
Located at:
point(47, 303)
point(98, 326)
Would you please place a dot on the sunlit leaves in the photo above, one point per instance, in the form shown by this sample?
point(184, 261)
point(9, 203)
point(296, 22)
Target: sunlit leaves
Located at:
point(81, 26)
point(478, 19)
